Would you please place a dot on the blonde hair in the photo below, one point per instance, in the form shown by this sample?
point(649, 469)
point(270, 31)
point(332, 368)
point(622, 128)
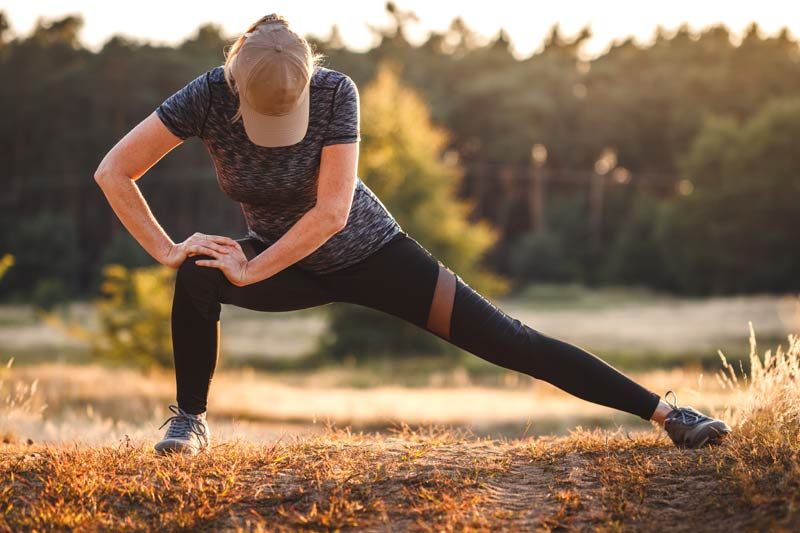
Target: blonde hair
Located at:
point(314, 58)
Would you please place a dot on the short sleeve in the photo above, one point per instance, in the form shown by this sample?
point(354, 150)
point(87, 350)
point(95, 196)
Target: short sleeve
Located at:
point(184, 113)
point(344, 125)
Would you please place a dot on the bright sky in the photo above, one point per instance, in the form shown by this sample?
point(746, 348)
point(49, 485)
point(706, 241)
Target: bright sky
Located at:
point(527, 21)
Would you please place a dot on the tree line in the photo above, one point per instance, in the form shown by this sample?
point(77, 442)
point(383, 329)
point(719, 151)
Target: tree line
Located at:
point(669, 164)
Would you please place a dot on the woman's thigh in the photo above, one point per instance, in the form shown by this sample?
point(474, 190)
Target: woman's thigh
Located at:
point(399, 279)
point(406, 280)
point(290, 289)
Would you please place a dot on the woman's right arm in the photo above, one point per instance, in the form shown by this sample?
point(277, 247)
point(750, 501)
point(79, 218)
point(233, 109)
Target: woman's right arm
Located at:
point(116, 175)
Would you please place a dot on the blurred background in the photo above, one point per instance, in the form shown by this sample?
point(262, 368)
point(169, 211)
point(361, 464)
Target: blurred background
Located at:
point(627, 181)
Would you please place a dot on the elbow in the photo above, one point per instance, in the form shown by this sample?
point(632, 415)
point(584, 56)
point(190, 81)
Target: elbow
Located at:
point(339, 221)
point(101, 175)
point(106, 178)
point(335, 219)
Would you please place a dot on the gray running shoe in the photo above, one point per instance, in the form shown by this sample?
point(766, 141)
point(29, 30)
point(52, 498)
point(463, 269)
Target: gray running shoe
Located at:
point(689, 428)
point(186, 433)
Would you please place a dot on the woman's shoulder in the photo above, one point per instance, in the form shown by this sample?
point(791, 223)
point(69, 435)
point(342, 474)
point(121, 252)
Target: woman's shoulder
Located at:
point(216, 74)
point(327, 78)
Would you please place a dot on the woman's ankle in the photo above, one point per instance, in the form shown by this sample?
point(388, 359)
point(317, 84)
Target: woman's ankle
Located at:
point(661, 412)
point(194, 411)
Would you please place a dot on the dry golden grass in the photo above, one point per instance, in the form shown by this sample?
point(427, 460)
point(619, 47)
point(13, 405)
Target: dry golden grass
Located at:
point(434, 479)
point(100, 405)
point(437, 481)
point(764, 453)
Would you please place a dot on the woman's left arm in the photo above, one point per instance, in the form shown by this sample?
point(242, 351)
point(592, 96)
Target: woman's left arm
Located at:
point(335, 187)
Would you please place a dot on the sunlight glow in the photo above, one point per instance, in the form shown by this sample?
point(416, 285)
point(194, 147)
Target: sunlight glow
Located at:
point(527, 23)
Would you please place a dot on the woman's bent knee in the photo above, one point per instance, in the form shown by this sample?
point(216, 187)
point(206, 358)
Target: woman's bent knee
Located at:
point(191, 273)
point(201, 285)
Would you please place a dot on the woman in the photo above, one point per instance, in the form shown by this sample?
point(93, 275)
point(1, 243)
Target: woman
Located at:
point(283, 134)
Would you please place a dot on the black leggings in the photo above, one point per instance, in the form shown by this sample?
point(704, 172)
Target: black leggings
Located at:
point(403, 279)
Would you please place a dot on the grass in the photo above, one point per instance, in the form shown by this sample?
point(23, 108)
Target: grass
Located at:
point(424, 481)
point(431, 478)
point(99, 404)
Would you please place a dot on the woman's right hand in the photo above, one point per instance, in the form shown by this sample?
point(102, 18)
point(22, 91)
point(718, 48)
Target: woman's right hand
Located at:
point(197, 244)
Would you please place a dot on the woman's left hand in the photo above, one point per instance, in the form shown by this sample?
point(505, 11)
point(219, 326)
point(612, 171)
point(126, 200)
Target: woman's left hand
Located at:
point(233, 264)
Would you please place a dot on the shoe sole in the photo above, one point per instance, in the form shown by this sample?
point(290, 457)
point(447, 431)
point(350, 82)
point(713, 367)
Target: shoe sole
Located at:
point(175, 446)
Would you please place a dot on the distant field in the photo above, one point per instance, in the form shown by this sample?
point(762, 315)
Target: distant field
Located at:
point(82, 399)
point(101, 405)
point(634, 329)
point(641, 320)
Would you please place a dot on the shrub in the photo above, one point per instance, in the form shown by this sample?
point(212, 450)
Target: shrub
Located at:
point(133, 324)
point(122, 250)
point(539, 257)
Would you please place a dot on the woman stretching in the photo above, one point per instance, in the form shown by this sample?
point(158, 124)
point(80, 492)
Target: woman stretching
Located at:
point(283, 134)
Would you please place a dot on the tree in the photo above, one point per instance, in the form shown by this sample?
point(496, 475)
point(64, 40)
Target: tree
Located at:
point(47, 254)
point(402, 161)
point(63, 31)
point(637, 257)
point(208, 42)
point(647, 102)
point(737, 230)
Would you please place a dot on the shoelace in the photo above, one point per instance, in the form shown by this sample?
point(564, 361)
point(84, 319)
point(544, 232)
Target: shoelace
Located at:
point(684, 415)
point(182, 423)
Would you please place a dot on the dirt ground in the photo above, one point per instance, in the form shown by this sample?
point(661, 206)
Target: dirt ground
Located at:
point(413, 481)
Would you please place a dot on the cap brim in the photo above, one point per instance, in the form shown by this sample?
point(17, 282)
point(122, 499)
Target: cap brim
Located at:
point(284, 130)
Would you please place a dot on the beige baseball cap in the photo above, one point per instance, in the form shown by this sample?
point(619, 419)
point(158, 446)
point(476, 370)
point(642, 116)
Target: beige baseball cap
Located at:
point(272, 71)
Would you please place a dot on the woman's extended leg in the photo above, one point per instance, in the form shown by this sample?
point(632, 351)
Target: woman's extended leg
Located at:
point(405, 280)
point(199, 291)
point(481, 328)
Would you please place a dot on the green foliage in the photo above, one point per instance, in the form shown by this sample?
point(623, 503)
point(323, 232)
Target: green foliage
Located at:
point(539, 257)
point(737, 230)
point(47, 256)
point(402, 162)
point(134, 316)
point(122, 250)
point(560, 252)
point(637, 255)
point(48, 293)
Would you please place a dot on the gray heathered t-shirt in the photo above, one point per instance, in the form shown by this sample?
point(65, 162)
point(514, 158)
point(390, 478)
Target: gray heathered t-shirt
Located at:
point(276, 186)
